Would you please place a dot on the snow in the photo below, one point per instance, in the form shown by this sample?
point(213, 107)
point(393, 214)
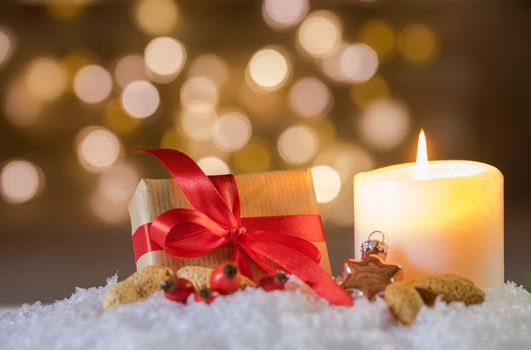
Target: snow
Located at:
point(254, 319)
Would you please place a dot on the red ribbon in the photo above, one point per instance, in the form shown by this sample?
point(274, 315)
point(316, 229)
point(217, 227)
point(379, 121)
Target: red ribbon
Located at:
point(272, 242)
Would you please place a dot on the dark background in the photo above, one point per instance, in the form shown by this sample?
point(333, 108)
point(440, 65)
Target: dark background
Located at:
point(473, 99)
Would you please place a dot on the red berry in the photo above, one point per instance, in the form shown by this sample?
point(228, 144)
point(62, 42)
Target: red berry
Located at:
point(177, 289)
point(206, 295)
point(275, 281)
point(225, 279)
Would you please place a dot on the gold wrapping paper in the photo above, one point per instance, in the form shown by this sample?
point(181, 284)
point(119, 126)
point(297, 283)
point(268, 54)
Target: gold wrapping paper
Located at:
point(261, 194)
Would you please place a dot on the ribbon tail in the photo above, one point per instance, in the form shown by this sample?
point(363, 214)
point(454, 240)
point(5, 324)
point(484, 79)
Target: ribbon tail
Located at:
point(300, 265)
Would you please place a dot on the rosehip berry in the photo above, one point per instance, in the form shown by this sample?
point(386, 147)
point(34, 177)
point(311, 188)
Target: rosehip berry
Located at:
point(225, 278)
point(177, 289)
point(275, 281)
point(206, 295)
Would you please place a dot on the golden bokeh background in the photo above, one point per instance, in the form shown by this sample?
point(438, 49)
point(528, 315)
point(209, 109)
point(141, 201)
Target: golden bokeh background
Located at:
point(339, 86)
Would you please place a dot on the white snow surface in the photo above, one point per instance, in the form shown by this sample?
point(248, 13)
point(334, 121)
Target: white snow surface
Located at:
point(254, 319)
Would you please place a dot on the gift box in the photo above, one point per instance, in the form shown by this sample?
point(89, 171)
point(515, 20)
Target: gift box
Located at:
point(278, 193)
point(263, 222)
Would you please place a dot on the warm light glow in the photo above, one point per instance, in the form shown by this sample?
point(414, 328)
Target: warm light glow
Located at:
point(199, 122)
point(118, 183)
point(97, 148)
point(366, 93)
point(21, 108)
point(358, 63)
point(140, 99)
point(199, 90)
point(309, 97)
point(281, 14)
point(326, 182)
point(6, 45)
point(128, 69)
point(117, 119)
point(380, 36)
point(108, 211)
point(233, 131)
point(417, 43)
point(268, 69)
point(253, 157)
point(297, 144)
point(210, 66)
point(156, 17)
point(422, 150)
point(92, 84)
point(20, 181)
point(45, 78)
point(385, 124)
point(213, 166)
point(164, 57)
point(330, 64)
point(320, 33)
point(259, 102)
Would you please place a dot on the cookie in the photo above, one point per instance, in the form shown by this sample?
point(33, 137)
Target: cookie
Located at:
point(404, 301)
point(200, 277)
point(136, 287)
point(451, 287)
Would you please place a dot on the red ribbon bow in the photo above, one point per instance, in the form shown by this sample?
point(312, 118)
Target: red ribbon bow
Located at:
point(215, 221)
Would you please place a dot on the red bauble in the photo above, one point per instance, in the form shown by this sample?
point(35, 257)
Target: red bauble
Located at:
point(206, 295)
point(178, 289)
point(225, 279)
point(275, 281)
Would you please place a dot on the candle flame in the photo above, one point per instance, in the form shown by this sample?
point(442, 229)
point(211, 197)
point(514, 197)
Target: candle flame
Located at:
point(422, 151)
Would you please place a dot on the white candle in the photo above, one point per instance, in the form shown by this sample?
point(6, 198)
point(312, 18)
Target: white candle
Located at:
point(437, 216)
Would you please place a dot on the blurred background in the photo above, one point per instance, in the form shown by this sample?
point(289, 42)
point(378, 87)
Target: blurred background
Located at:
point(340, 86)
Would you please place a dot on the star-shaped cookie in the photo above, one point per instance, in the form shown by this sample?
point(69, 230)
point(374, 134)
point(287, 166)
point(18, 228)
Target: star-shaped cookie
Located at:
point(370, 275)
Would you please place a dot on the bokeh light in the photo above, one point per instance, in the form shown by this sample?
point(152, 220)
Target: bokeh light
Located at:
point(164, 58)
point(268, 69)
point(309, 97)
point(199, 122)
point(330, 65)
point(211, 67)
point(97, 148)
point(128, 69)
point(173, 139)
point(213, 166)
point(347, 160)
point(280, 14)
point(385, 124)
point(117, 119)
point(156, 17)
point(118, 182)
point(326, 182)
point(358, 63)
point(7, 45)
point(199, 90)
point(371, 90)
point(107, 211)
point(417, 43)
point(140, 99)
point(233, 131)
point(320, 33)
point(20, 181)
point(45, 78)
point(255, 156)
point(92, 84)
point(259, 102)
point(65, 9)
point(20, 107)
point(380, 36)
point(297, 144)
